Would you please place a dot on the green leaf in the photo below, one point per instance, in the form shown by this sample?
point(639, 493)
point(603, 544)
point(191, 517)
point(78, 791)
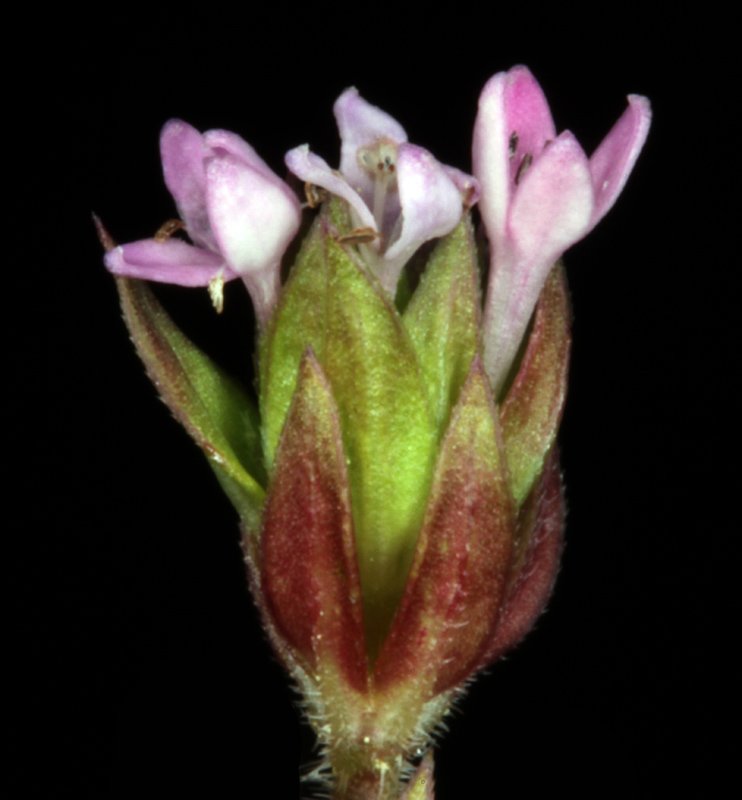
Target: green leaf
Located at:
point(332, 305)
point(443, 318)
point(214, 410)
point(532, 409)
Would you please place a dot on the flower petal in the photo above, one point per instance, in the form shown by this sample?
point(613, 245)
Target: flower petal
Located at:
point(513, 120)
point(553, 205)
point(430, 204)
point(173, 261)
point(616, 155)
point(360, 125)
point(551, 210)
point(529, 125)
point(313, 169)
point(467, 184)
point(219, 142)
point(182, 151)
point(254, 218)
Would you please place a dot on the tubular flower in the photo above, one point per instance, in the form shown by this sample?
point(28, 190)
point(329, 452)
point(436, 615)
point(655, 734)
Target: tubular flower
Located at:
point(239, 215)
point(398, 194)
point(401, 503)
point(540, 195)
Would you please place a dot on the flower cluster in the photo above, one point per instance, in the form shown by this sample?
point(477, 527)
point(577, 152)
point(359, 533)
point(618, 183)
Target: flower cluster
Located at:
point(398, 483)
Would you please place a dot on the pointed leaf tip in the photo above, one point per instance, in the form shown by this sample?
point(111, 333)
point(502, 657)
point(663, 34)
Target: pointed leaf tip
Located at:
point(104, 237)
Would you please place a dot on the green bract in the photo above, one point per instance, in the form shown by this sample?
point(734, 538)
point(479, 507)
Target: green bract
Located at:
point(332, 306)
point(210, 405)
point(394, 378)
point(401, 526)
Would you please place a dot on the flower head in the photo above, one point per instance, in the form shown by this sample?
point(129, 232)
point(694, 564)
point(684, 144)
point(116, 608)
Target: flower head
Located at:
point(399, 195)
point(239, 215)
point(540, 195)
point(401, 501)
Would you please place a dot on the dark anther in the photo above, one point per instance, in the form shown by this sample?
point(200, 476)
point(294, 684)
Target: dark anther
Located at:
point(513, 144)
point(167, 229)
point(523, 166)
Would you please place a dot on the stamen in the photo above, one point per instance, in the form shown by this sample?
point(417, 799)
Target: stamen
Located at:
point(216, 291)
point(315, 195)
point(358, 236)
point(167, 229)
point(513, 144)
point(380, 161)
point(522, 167)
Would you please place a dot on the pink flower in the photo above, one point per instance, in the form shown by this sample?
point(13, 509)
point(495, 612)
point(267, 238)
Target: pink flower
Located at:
point(239, 215)
point(399, 195)
point(540, 195)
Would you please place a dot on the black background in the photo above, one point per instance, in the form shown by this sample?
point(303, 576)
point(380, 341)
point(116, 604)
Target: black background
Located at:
point(148, 672)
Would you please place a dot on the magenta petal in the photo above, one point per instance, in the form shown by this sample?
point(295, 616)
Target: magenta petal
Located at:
point(172, 261)
point(528, 120)
point(552, 209)
point(360, 125)
point(616, 155)
point(553, 205)
point(430, 205)
point(182, 151)
point(311, 168)
point(510, 103)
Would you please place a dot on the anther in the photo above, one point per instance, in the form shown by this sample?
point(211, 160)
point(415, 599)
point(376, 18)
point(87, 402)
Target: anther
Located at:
point(522, 167)
point(216, 291)
point(315, 195)
point(167, 229)
point(358, 236)
point(513, 144)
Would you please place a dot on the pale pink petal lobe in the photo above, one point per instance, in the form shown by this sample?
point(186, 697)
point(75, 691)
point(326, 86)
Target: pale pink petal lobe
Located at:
point(220, 142)
point(254, 219)
point(311, 168)
point(612, 162)
point(172, 261)
point(182, 151)
point(490, 156)
point(551, 210)
point(362, 124)
point(431, 205)
point(553, 206)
